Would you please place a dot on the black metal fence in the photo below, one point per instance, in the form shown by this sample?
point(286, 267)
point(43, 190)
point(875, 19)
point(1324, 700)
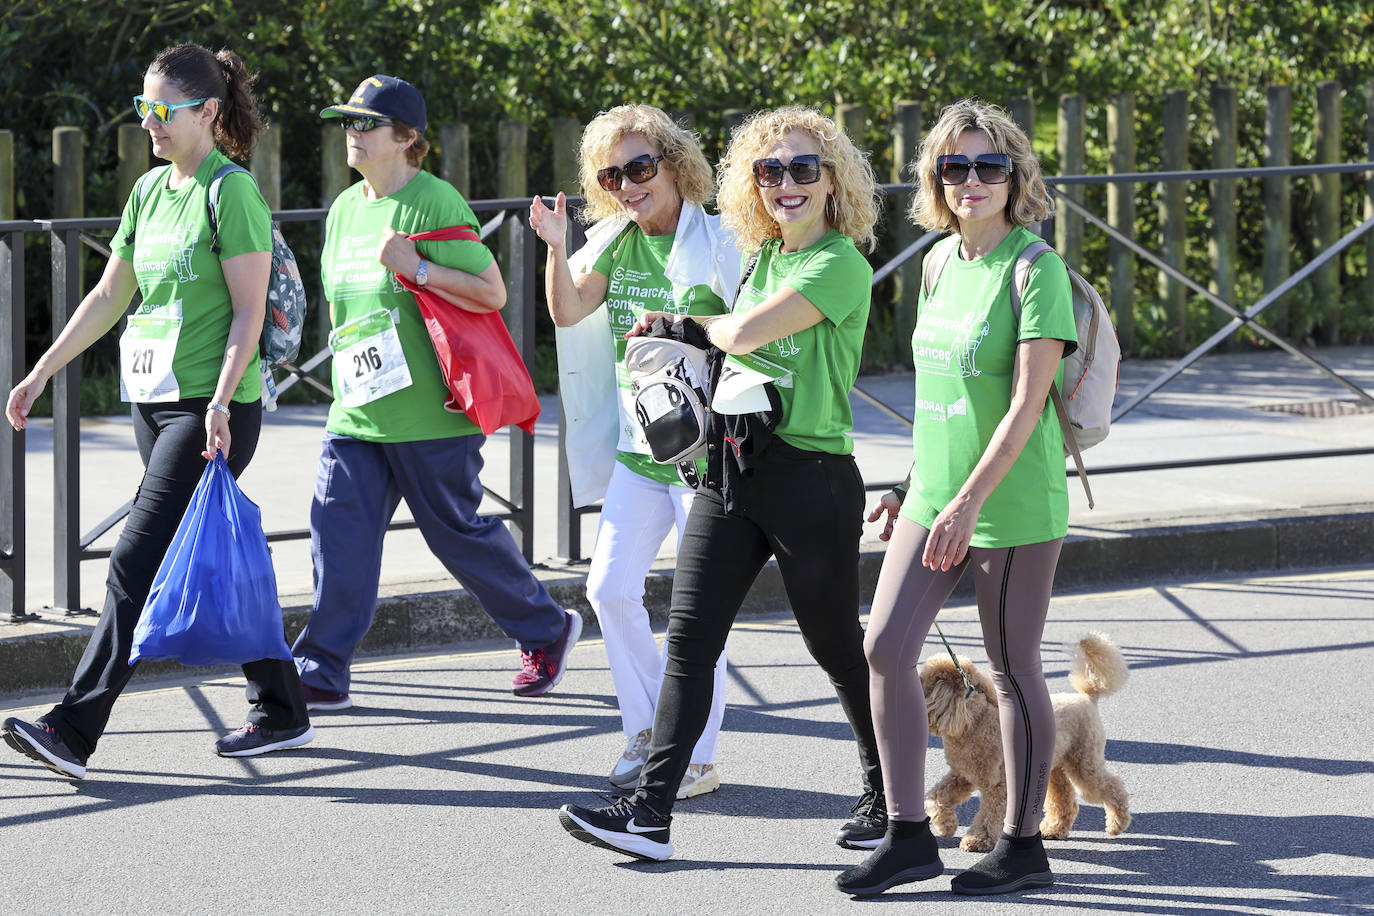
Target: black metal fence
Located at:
point(519, 248)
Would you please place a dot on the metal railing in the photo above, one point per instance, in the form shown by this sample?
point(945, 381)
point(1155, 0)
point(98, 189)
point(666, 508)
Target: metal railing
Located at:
point(519, 248)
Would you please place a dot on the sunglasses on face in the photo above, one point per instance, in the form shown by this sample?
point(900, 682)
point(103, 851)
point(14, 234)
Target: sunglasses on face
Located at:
point(362, 125)
point(804, 169)
point(992, 168)
point(163, 111)
point(639, 170)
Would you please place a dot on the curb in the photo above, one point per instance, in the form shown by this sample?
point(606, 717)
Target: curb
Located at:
point(435, 619)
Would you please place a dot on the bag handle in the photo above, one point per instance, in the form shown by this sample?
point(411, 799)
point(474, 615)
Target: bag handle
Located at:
point(461, 233)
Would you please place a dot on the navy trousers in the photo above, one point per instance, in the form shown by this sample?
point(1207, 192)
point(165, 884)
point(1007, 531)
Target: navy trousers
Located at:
point(357, 489)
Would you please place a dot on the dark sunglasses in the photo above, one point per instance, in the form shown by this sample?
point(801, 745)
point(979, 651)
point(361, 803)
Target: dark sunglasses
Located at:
point(804, 169)
point(639, 170)
point(362, 125)
point(992, 168)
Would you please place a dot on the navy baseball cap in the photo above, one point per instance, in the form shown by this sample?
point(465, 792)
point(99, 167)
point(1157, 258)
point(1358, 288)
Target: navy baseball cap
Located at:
point(383, 96)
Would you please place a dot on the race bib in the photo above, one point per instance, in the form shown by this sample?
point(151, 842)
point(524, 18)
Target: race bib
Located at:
point(740, 387)
point(146, 351)
point(631, 435)
point(368, 360)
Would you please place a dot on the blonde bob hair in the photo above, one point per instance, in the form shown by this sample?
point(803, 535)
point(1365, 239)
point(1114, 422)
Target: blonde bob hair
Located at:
point(1027, 200)
point(853, 209)
point(679, 147)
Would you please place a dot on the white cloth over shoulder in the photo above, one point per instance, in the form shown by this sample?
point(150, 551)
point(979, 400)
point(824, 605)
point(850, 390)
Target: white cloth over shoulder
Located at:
point(703, 254)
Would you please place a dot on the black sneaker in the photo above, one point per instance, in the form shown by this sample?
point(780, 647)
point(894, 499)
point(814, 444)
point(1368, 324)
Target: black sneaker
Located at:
point(251, 740)
point(866, 828)
point(907, 853)
point(542, 669)
point(628, 826)
point(40, 741)
point(1015, 864)
point(317, 700)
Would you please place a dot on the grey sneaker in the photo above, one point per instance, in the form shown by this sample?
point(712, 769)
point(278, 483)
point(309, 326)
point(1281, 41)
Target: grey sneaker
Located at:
point(41, 742)
point(625, 773)
point(251, 740)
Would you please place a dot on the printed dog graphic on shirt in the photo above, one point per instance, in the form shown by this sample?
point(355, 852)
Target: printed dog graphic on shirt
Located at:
point(960, 359)
point(184, 245)
point(787, 346)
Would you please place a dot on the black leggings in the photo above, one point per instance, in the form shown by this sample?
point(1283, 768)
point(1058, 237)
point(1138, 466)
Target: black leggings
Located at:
point(170, 437)
point(806, 509)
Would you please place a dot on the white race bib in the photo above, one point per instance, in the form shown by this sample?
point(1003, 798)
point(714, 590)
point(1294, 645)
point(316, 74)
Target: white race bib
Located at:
point(146, 350)
point(368, 360)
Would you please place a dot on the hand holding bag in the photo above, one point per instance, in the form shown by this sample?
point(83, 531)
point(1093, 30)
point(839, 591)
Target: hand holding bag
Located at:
point(214, 599)
point(486, 378)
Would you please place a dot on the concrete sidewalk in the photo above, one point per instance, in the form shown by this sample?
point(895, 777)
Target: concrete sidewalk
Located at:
point(1237, 736)
point(1243, 517)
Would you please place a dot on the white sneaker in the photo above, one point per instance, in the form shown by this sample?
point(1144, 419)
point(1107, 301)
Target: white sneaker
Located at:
point(625, 775)
point(701, 779)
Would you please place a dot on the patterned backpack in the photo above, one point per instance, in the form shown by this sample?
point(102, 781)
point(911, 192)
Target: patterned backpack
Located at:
point(281, 326)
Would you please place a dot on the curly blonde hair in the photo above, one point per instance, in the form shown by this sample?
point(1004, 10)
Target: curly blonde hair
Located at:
point(679, 146)
point(856, 205)
point(1027, 200)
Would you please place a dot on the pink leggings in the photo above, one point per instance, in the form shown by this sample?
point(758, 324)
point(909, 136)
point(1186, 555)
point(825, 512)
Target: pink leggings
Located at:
point(1013, 589)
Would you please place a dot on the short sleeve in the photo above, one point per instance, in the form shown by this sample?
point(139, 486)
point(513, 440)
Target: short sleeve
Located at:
point(242, 216)
point(835, 280)
point(1047, 306)
point(469, 257)
point(122, 245)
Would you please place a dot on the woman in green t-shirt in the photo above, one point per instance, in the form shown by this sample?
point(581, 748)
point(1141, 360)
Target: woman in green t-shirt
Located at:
point(389, 435)
point(987, 492)
point(794, 188)
point(651, 248)
point(185, 361)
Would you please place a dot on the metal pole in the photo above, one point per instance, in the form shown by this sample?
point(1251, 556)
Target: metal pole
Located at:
point(66, 415)
point(569, 519)
point(12, 443)
point(520, 314)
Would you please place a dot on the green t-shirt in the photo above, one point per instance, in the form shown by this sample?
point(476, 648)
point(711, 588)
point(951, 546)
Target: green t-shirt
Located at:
point(964, 349)
point(635, 267)
point(824, 358)
point(179, 276)
point(356, 284)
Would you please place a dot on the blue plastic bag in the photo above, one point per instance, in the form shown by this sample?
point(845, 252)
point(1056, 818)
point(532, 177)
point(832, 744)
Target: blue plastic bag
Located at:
point(214, 600)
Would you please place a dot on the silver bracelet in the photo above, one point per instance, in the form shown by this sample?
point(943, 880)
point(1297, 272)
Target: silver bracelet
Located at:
point(216, 406)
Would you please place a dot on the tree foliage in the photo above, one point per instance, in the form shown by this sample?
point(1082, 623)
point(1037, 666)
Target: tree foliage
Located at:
point(65, 63)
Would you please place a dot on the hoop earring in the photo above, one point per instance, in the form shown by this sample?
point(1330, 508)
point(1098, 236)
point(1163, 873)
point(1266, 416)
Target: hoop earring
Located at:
point(832, 210)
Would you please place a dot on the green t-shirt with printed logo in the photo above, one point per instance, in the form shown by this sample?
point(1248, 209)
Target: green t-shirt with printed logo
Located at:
point(824, 358)
point(356, 284)
point(179, 276)
point(635, 267)
point(964, 350)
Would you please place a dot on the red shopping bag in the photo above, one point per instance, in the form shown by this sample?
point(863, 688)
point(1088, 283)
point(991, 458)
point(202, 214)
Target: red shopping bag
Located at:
point(486, 378)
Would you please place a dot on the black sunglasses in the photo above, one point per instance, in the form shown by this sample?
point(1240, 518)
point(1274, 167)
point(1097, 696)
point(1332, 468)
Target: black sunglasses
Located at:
point(804, 169)
point(992, 168)
point(362, 125)
point(639, 170)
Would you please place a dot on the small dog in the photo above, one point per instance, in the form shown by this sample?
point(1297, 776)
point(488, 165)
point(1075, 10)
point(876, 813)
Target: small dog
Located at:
point(973, 746)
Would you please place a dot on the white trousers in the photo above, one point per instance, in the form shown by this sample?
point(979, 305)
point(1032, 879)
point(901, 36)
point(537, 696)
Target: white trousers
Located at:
point(636, 516)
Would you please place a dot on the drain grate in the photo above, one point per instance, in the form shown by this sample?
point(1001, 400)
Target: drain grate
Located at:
point(1319, 409)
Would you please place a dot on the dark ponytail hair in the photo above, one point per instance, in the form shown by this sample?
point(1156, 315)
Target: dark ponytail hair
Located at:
point(223, 76)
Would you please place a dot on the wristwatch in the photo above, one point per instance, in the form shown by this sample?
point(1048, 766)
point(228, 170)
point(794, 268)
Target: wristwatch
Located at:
point(219, 408)
point(422, 273)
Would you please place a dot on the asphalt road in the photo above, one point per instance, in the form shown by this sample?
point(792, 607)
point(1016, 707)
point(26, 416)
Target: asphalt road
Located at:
point(1243, 736)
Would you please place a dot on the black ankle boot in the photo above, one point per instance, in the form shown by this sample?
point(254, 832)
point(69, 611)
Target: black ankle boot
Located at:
point(907, 853)
point(1015, 863)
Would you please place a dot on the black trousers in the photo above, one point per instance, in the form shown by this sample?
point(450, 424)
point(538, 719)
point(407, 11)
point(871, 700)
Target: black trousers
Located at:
point(170, 437)
point(806, 509)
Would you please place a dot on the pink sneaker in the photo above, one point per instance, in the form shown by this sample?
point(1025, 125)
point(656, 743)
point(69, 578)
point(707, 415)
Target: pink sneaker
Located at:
point(542, 669)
